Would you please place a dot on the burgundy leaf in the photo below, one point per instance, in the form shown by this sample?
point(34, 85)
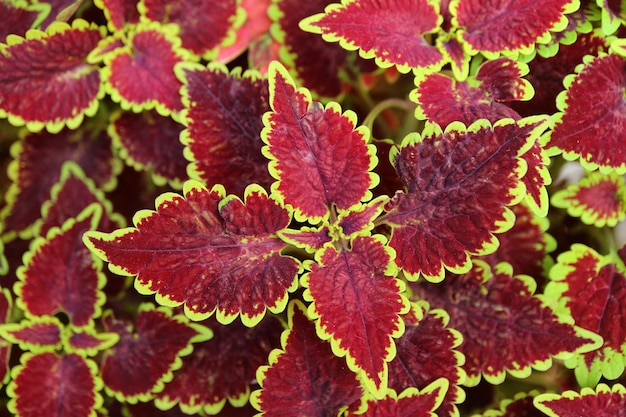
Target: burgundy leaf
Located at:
point(316, 154)
point(305, 378)
point(452, 50)
point(59, 273)
point(224, 120)
point(222, 368)
point(41, 332)
point(119, 13)
point(593, 113)
point(391, 32)
point(522, 330)
point(47, 385)
point(6, 307)
point(46, 80)
point(603, 402)
point(358, 303)
point(18, 18)
point(520, 406)
point(151, 142)
point(308, 238)
point(144, 358)
point(360, 219)
point(88, 342)
point(206, 252)
point(459, 182)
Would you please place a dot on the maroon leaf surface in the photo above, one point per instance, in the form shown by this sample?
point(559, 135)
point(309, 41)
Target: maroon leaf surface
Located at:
point(145, 357)
point(223, 115)
point(207, 252)
point(119, 13)
point(41, 332)
point(523, 331)
point(47, 385)
point(520, 406)
point(17, 18)
point(410, 402)
point(305, 377)
point(458, 184)
point(391, 32)
point(317, 155)
point(358, 304)
point(46, 80)
point(605, 401)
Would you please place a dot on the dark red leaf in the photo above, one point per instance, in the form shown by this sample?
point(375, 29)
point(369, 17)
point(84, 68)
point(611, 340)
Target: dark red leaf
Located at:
point(391, 32)
point(144, 358)
point(119, 13)
point(520, 406)
point(316, 154)
point(603, 402)
point(88, 342)
point(459, 182)
point(46, 80)
point(191, 251)
point(358, 303)
point(310, 239)
point(47, 385)
point(224, 120)
point(6, 308)
point(41, 332)
point(305, 378)
point(18, 18)
point(360, 219)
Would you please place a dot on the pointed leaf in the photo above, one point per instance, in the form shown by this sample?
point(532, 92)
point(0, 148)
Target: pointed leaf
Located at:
point(191, 251)
point(358, 303)
point(305, 377)
point(361, 219)
point(144, 358)
point(17, 18)
point(522, 330)
point(393, 33)
point(119, 13)
point(603, 402)
point(87, 342)
point(317, 155)
point(307, 238)
point(47, 385)
point(41, 333)
point(459, 183)
point(223, 114)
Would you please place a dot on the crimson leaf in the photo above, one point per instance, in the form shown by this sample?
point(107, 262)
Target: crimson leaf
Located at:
point(41, 332)
point(17, 18)
point(603, 402)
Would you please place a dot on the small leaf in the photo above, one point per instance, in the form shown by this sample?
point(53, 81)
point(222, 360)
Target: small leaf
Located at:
point(317, 155)
point(87, 342)
point(603, 402)
point(41, 333)
point(304, 378)
point(393, 33)
point(6, 308)
point(520, 406)
point(357, 302)
point(255, 28)
point(191, 251)
point(46, 80)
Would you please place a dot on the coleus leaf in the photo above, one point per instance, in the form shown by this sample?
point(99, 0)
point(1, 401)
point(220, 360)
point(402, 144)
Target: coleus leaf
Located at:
point(255, 27)
point(592, 288)
point(305, 377)
point(40, 333)
point(605, 401)
point(140, 75)
point(508, 26)
point(204, 26)
point(392, 33)
point(59, 273)
point(6, 308)
point(458, 184)
point(519, 406)
point(598, 199)
point(87, 342)
point(145, 357)
point(357, 302)
point(306, 143)
point(223, 114)
point(49, 385)
point(427, 352)
point(46, 80)
point(17, 18)
point(612, 15)
point(38, 158)
point(119, 13)
point(523, 331)
point(148, 141)
point(206, 251)
point(584, 129)
point(222, 369)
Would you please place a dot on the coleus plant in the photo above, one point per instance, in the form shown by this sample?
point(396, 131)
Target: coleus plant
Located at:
point(278, 208)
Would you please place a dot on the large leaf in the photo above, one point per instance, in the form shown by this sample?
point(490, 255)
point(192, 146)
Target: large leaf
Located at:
point(358, 304)
point(46, 80)
point(207, 252)
point(605, 401)
point(223, 114)
point(391, 32)
point(17, 17)
point(305, 378)
point(458, 184)
point(317, 155)
point(505, 327)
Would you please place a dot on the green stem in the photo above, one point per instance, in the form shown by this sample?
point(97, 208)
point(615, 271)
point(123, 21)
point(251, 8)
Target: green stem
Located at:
point(384, 105)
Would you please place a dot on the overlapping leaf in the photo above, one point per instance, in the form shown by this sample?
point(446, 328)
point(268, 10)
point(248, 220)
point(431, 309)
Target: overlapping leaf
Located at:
point(357, 302)
point(223, 115)
point(305, 377)
point(41, 333)
point(46, 80)
point(598, 199)
point(391, 32)
point(505, 327)
point(593, 114)
point(119, 13)
point(604, 401)
point(459, 182)
point(520, 406)
point(146, 355)
point(612, 15)
point(317, 155)
point(592, 288)
point(17, 18)
point(207, 252)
